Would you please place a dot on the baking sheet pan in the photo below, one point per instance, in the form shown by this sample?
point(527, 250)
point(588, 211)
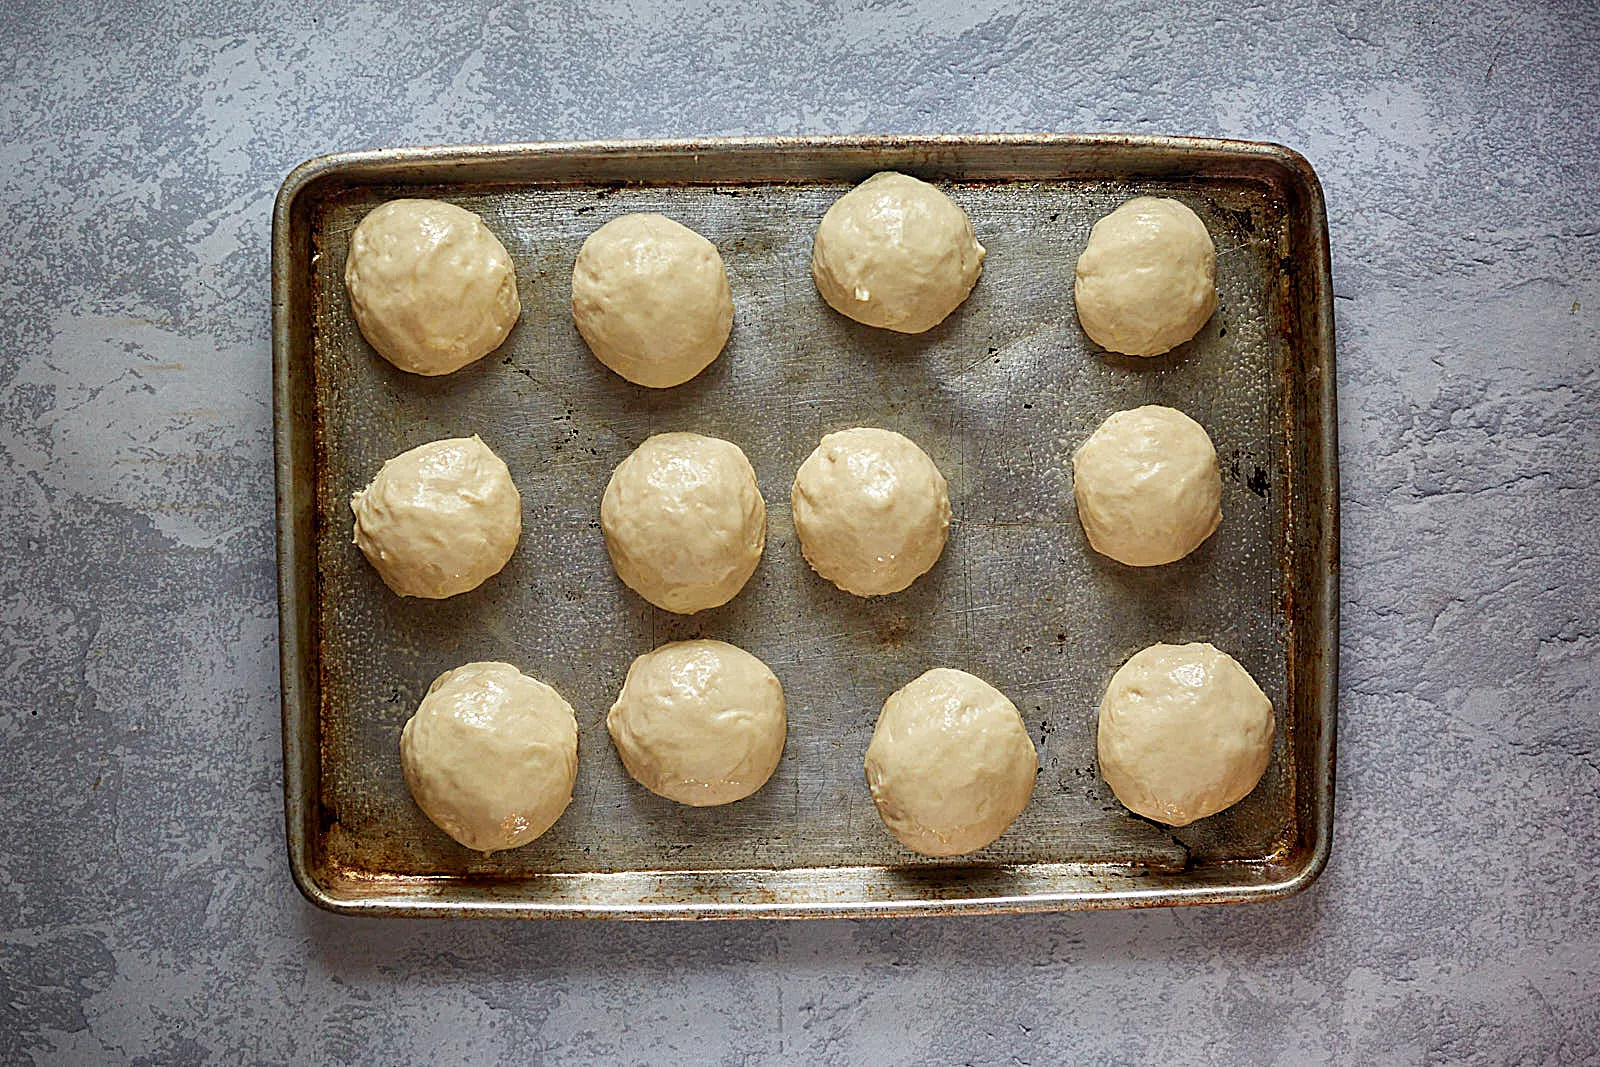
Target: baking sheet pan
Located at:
point(999, 395)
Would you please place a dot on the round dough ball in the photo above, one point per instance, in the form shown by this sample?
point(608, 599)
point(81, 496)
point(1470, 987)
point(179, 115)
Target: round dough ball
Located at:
point(439, 519)
point(699, 722)
point(650, 297)
point(1148, 487)
point(1147, 280)
point(432, 289)
point(950, 765)
point(871, 509)
point(1184, 732)
point(491, 755)
point(684, 521)
point(895, 252)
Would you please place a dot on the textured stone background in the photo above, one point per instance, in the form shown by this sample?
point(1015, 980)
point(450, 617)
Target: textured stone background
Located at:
point(146, 911)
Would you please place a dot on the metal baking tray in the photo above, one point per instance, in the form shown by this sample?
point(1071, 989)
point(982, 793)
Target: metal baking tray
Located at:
point(999, 395)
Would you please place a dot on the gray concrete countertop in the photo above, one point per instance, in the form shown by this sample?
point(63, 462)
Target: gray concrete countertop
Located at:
point(146, 911)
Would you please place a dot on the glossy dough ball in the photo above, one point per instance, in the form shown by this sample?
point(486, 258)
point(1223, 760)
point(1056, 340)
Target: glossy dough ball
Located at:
point(871, 509)
point(684, 521)
point(950, 765)
point(699, 722)
point(1148, 487)
point(1147, 280)
point(432, 289)
point(491, 755)
point(1184, 732)
point(440, 519)
point(651, 298)
point(895, 252)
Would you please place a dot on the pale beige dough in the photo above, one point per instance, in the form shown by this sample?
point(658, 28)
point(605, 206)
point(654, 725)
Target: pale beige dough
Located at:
point(1147, 486)
point(896, 253)
point(1184, 733)
point(699, 722)
point(1147, 280)
point(871, 509)
point(684, 521)
point(490, 755)
point(439, 519)
point(432, 289)
point(950, 764)
point(651, 298)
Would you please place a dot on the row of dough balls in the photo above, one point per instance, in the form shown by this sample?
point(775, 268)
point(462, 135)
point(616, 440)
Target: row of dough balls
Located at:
point(432, 289)
point(684, 521)
point(685, 524)
point(491, 755)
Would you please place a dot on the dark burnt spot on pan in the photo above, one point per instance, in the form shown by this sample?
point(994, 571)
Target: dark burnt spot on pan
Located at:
point(1259, 484)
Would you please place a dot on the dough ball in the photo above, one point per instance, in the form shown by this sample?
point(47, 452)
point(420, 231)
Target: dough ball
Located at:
point(490, 755)
point(871, 509)
point(1148, 487)
point(699, 722)
point(1184, 732)
point(432, 289)
point(684, 521)
point(651, 298)
point(1147, 280)
point(950, 765)
point(440, 519)
point(897, 253)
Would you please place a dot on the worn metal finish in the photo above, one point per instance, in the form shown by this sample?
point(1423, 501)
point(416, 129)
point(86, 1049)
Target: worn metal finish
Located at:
point(999, 395)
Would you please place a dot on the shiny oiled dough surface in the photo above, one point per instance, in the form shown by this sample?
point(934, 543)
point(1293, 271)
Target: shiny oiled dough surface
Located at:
point(950, 765)
point(1146, 279)
point(684, 521)
point(1184, 732)
point(490, 755)
point(651, 298)
point(439, 519)
point(1147, 486)
point(897, 253)
point(699, 722)
point(871, 509)
point(432, 288)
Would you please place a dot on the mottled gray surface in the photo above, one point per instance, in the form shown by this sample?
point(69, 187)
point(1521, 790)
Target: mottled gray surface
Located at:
point(146, 911)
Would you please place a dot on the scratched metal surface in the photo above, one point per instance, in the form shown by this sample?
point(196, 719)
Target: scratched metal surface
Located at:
point(999, 396)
